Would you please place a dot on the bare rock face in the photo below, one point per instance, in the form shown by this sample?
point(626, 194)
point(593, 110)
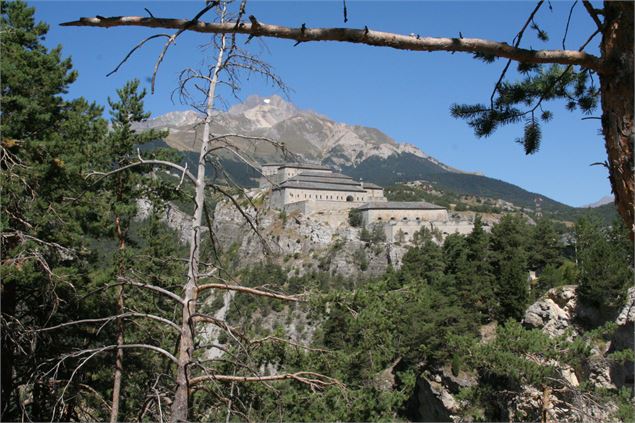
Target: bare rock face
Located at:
point(172, 216)
point(435, 396)
point(302, 243)
point(555, 312)
point(623, 374)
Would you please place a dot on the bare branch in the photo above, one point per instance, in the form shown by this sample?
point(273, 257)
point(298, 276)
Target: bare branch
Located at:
point(126, 281)
point(360, 36)
point(566, 30)
point(182, 169)
point(135, 48)
point(314, 380)
point(160, 350)
point(252, 291)
point(286, 341)
point(173, 38)
point(589, 8)
point(111, 318)
point(198, 318)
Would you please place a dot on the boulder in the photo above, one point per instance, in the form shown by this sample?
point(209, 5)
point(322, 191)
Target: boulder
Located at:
point(554, 313)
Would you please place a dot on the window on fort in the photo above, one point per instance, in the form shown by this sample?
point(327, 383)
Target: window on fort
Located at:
point(418, 218)
point(379, 218)
point(404, 218)
point(393, 218)
point(349, 198)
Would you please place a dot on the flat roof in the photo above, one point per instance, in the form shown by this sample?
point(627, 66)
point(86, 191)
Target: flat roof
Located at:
point(317, 179)
point(400, 205)
point(318, 186)
point(332, 175)
point(371, 185)
point(298, 165)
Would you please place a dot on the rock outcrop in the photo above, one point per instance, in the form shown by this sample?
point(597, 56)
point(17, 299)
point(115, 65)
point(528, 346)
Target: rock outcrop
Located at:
point(302, 243)
point(559, 312)
point(555, 312)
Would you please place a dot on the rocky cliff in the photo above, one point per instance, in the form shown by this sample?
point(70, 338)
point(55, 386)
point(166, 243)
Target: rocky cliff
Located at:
point(557, 313)
point(323, 241)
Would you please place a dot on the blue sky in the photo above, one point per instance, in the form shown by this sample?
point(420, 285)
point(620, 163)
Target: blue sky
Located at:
point(407, 95)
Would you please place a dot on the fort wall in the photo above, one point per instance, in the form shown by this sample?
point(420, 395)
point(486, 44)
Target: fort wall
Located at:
point(408, 215)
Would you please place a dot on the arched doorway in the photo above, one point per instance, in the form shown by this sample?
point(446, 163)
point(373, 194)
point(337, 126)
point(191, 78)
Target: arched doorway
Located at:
point(349, 198)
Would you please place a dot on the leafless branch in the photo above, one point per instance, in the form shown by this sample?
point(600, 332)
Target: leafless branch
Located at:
point(135, 48)
point(173, 38)
point(111, 318)
point(198, 318)
point(589, 8)
point(566, 30)
point(314, 380)
point(125, 281)
point(252, 291)
point(179, 168)
point(286, 341)
point(360, 36)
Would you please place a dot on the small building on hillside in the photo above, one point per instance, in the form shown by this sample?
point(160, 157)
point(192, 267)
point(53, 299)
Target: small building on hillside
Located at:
point(400, 220)
point(401, 211)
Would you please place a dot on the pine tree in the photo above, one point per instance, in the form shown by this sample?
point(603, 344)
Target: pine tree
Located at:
point(509, 266)
point(46, 206)
point(605, 264)
point(121, 193)
point(481, 270)
point(544, 246)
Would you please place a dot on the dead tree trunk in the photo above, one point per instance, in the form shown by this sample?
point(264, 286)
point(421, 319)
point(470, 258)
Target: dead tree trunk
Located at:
point(117, 379)
point(617, 104)
point(186, 343)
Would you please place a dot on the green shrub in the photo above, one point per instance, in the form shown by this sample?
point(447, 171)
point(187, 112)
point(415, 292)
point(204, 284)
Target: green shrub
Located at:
point(355, 218)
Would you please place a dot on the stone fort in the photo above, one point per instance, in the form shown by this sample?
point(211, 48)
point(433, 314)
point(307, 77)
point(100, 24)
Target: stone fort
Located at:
point(316, 190)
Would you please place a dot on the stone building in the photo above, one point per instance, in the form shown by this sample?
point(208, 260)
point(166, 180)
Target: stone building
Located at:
point(318, 191)
point(275, 173)
point(316, 186)
point(400, 220)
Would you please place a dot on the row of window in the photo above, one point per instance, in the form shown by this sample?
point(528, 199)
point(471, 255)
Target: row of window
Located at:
point(328, 197)
point(403, 218)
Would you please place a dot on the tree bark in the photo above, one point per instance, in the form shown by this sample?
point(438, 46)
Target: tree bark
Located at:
point(117, 379)
point(180, 405)
point(617, 104)
point(9, 397)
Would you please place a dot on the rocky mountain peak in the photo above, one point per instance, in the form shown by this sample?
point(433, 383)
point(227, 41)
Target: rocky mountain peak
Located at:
point(309, 135)
point(175, 119)
point(264, 112)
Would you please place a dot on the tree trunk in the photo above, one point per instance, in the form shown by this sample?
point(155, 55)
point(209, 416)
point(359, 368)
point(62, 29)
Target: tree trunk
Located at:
point(9, 399)
point(180, 405)
point(116, 385)
point(617, 103)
